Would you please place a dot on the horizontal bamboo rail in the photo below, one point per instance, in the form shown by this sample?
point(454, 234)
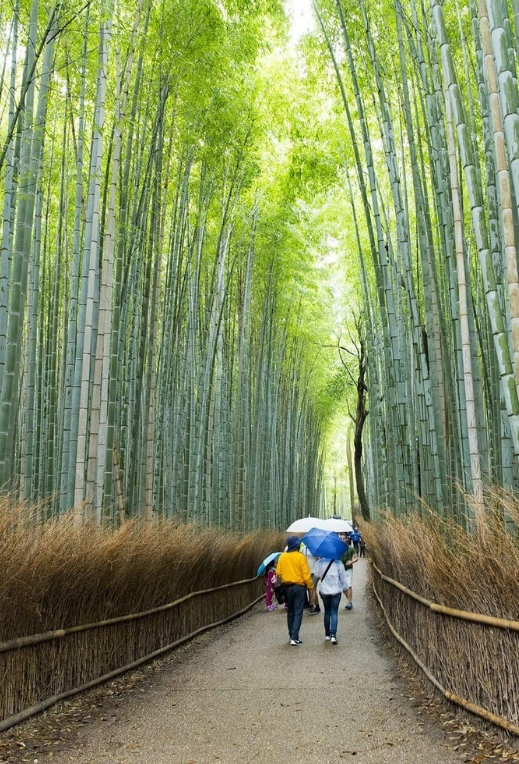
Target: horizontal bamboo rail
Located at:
point(38, 708)
point(464, 615)
point(34, 639)
point(16, 649)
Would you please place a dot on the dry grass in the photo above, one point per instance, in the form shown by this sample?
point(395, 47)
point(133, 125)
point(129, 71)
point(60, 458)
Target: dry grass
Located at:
point(61, 573)
point(474, 570)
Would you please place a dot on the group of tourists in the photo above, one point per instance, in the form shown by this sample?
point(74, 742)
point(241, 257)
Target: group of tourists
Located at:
point(301, 574)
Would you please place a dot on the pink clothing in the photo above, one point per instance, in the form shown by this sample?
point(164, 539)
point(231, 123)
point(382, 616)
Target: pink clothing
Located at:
point(269, 594)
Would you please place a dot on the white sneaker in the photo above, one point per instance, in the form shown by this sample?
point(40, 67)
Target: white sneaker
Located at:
point(334, 641)
point(327, 639)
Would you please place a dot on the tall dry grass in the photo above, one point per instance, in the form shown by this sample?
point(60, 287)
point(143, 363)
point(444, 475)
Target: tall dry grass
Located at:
point(61, 573)
point(475, 569)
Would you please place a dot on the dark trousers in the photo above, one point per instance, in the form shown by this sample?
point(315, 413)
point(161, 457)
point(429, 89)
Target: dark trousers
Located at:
point(296, 597)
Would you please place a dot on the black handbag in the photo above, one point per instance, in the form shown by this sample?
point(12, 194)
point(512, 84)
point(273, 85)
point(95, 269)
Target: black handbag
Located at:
point(280, 593)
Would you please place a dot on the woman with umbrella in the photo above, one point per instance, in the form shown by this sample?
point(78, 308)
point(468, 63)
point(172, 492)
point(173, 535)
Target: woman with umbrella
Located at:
point(330, 571)
point(332, 584)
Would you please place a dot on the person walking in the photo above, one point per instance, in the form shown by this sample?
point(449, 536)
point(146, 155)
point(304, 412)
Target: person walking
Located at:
point(293, 572)
point(349, 558)
point(313, 599)
point(333, 583)
point(270, 580)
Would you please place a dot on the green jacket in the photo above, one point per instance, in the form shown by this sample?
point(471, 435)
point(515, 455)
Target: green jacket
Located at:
point(348, 556)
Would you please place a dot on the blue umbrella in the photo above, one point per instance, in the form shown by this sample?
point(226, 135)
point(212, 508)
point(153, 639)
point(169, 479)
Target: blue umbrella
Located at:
point(266, 561)
point(325, 544)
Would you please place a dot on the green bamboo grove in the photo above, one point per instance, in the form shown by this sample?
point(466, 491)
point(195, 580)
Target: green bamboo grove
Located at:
point(150, 355)
point(174, 180)
point(430, 101)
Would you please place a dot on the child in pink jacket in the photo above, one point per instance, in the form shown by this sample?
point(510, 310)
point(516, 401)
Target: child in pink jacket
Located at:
point(270, 583)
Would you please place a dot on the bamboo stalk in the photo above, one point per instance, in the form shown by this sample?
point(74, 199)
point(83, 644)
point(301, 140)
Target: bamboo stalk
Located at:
point(118, 483)
point(465, 615)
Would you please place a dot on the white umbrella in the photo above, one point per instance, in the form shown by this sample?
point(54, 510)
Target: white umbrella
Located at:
point(335, 524)
point(303, 525)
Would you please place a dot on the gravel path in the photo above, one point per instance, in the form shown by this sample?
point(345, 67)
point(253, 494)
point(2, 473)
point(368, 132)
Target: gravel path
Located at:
point(242, 694)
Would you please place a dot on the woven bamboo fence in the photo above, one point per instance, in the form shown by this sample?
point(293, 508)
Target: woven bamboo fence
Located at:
point(39, 670)
point(471, 658)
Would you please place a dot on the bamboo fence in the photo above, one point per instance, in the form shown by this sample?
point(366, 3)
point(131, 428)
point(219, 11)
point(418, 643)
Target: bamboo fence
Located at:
point(39, 670)
point(470, 658)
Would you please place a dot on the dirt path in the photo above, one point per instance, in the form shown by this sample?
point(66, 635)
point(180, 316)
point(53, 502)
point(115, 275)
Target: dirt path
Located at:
point(242, 694)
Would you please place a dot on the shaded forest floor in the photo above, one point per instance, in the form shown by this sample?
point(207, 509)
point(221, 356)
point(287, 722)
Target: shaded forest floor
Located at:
point(242, 694)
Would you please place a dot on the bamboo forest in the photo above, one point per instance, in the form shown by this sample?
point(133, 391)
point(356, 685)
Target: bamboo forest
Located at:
point(251, 272)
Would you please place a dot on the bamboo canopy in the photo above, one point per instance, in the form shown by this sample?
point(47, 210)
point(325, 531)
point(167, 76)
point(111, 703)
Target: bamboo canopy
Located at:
point(181, 188)
point(435, 164)
point(150, 361)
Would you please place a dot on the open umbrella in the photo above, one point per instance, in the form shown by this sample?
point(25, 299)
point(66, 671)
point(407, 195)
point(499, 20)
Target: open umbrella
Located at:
point(266, 561)
point(303, 525)
point(335, 524)
point(332, 524)
point(325, 544)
